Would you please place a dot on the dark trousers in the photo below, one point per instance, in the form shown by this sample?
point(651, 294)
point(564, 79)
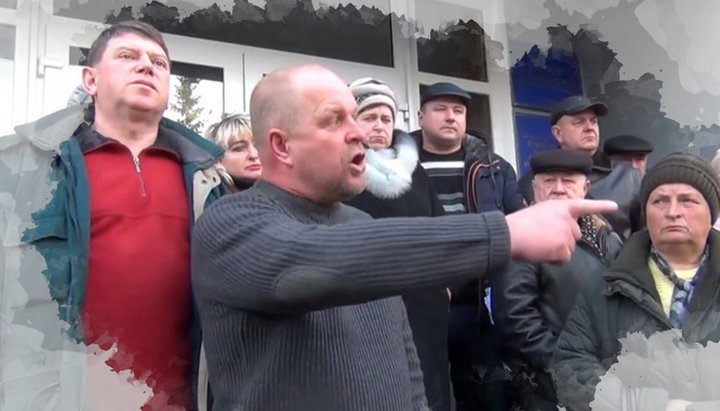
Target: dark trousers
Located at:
point(480, 382)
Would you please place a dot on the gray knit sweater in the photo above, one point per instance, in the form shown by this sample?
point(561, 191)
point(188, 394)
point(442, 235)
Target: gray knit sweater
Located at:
point(299, 301)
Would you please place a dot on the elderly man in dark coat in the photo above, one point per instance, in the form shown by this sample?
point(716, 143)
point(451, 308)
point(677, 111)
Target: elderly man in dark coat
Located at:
point(532, 301)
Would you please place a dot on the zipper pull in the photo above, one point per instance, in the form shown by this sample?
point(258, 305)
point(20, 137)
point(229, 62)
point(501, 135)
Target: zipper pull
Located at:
point(136, 160)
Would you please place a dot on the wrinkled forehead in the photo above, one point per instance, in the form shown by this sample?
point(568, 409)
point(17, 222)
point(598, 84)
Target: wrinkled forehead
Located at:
point(675, 189)
point(445, 101)
point(319, 97)
point(583, 115)
point(134, 41)
point(379, 109)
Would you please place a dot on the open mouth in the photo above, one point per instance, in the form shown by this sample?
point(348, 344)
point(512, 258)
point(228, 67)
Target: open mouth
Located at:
point(358, 159)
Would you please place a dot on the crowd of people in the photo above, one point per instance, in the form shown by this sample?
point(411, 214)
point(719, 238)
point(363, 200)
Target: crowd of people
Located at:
point(311, 255)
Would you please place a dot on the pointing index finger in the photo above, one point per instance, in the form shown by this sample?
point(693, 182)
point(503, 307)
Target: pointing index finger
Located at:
point(583, 207)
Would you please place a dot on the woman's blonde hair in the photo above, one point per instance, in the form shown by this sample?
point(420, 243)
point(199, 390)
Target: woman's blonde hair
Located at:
point(232, 128)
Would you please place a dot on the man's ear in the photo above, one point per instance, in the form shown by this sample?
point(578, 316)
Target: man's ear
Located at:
point(89, 81)
point(535, 184)
point(420, 117)
point(586, 188)
point(278, 141)
point(555, 130)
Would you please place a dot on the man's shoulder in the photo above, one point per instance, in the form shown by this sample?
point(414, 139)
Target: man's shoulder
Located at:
point(476, 148)
point(45, 133)
point(191, 146)
point(249, 197)
point(349, 213)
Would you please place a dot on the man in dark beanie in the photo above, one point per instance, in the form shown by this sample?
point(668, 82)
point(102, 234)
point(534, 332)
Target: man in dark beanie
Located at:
point(666, 278)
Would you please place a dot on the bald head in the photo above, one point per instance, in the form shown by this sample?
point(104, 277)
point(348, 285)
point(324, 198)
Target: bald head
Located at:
point(307, 139)
point(277, 100)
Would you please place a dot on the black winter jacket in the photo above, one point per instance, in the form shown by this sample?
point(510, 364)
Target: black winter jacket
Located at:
point(532, 301)
point(625, 300)
point(427, 310)
point(490, 181)
point(490, 184)
point(530, 305)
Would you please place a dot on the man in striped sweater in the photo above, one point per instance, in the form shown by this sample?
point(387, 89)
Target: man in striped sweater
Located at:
point(299, 294)
point(469, 178)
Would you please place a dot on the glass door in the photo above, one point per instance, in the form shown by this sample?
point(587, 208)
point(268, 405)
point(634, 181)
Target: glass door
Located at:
point(206, 81)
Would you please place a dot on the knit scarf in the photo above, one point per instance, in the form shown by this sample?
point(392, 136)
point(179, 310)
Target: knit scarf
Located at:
point(589, 234)
point(683, 290)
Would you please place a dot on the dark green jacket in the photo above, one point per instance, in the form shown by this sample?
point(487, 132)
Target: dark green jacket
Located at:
point(625, 301)
point(45, 229)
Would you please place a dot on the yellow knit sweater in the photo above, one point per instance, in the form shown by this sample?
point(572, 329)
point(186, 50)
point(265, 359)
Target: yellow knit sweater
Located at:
point(663, 284)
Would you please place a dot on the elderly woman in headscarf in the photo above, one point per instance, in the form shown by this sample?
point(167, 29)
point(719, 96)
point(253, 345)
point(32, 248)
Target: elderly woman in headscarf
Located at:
point(397, 186)
point(240, 165)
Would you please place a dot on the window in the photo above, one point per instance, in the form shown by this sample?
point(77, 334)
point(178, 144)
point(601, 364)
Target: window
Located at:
point(347, 32)
point(7, 66)
point(451, 41)
point(196, 96)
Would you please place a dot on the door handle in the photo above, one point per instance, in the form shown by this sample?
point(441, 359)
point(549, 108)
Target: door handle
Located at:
point(47, 61)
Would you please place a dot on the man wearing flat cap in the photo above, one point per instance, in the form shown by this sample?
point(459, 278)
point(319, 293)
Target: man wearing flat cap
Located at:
point(628, 149)
point(575, 127)
point(468, 178)
point(531, 301)
point(665, 278)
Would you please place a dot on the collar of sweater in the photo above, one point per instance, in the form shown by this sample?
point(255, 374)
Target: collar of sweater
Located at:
point(321, 213)
point(389, 171)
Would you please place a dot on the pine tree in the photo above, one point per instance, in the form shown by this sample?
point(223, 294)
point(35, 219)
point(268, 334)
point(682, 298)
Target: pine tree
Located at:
point(187, 104)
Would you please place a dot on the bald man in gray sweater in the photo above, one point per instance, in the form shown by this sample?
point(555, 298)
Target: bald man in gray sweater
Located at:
point(299, 294)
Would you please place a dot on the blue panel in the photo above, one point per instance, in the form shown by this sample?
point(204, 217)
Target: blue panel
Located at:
point(533, 135)
point(540, 82)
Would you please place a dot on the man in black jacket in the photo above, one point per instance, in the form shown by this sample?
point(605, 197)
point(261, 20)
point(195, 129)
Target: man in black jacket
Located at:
point(531, 301)
point(468, 178)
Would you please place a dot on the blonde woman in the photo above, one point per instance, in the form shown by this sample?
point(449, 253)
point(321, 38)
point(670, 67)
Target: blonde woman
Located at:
point(240, 165)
